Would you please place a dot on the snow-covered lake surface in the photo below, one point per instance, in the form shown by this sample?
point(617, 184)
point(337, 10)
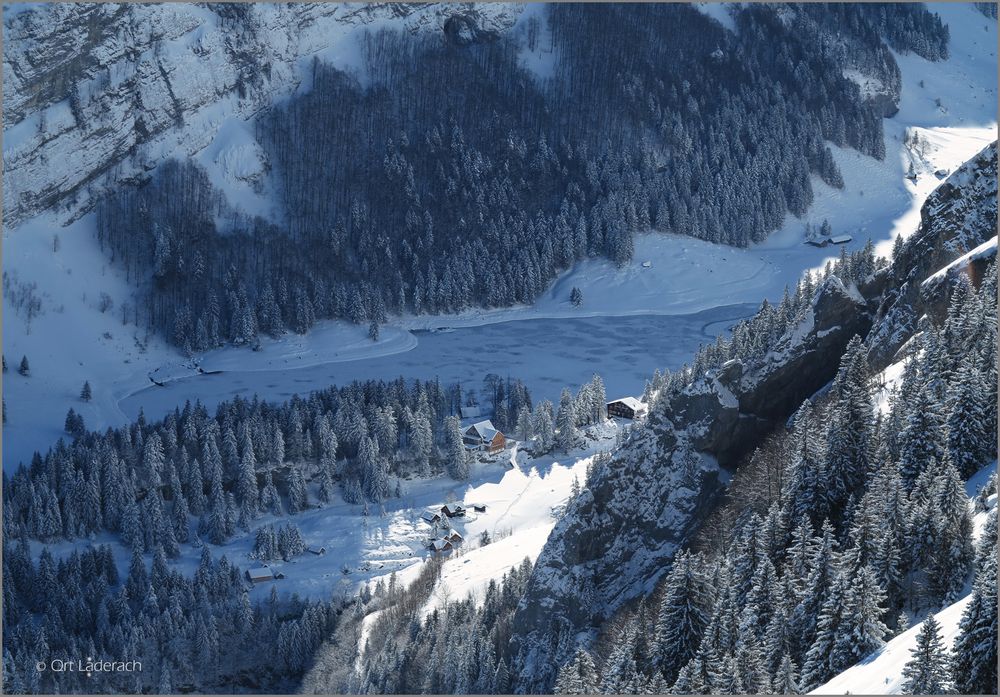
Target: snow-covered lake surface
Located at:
point(639, 315)
point(548, 354)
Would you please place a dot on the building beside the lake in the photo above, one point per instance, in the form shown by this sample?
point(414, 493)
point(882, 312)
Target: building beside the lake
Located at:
point(626, 408)
point(482, 435)
point(827, 241)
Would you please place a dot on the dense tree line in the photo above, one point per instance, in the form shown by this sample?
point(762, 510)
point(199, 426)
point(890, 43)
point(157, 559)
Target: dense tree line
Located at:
point(456, 648)
point(444, 177)
point(200, 633)
point(870, 527)
point(195, 475)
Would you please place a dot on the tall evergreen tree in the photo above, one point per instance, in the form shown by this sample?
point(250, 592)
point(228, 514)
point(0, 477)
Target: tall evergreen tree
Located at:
point(927, 672)
point(578, 677)
point(567, 435)
point(457, 458)
point(974, 658)
point(683, 615)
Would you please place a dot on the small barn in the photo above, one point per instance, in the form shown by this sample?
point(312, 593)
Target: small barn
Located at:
point(479, 507)
point(626, 408)
point(818, 241)
point(316, 549)
point(840, 239)
point(430, 517)
point(439, 546)
point(483, 436)
point(454, 537)
point(260, 575)
point(453, 510)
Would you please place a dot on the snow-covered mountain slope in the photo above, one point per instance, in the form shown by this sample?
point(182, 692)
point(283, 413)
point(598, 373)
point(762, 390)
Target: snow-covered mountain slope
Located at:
point(617, 539)
point(98, 95)
point(45, 141)
point(723, 414)
point(683, 275)
point(881, 672)
point(958, 219)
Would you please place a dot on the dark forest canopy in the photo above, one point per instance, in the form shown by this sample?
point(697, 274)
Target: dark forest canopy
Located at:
point(443, 177)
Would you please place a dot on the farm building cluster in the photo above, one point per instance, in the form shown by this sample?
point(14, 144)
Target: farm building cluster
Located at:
point(263, 574)
point(483, 436)
point(827, 241)
point(449, 538)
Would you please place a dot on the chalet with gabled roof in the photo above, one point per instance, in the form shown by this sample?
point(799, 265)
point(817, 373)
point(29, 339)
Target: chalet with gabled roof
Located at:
point(453, 510)
point(482, 435)
point(626, 408)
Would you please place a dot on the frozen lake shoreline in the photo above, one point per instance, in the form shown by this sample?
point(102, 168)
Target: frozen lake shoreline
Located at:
point(547, 354)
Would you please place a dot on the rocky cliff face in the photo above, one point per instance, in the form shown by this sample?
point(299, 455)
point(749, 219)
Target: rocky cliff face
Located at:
point(617, 538)
point(98, 94)
point(959, 216)
point(615, 542)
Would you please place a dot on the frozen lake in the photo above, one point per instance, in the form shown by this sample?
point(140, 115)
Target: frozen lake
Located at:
point(547, 354)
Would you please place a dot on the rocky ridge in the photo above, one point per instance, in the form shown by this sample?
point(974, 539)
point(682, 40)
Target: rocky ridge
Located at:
point(957, 217)
point(97, 95)
point(616, 540)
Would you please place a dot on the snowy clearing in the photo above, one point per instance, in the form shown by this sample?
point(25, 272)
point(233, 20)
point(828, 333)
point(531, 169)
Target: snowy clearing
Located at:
point(522, 505)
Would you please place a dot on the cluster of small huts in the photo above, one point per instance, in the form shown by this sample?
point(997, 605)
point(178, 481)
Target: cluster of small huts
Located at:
point(449, 538)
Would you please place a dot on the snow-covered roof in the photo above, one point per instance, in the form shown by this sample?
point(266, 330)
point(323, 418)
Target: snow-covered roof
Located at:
point(484, 430)
point(452, 507)
point(430, 516)
point(841, 239)
point(261, 574)
point(438, 545)
point(631, 402)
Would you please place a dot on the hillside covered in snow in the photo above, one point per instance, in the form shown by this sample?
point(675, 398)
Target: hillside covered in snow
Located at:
point(500, 348)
